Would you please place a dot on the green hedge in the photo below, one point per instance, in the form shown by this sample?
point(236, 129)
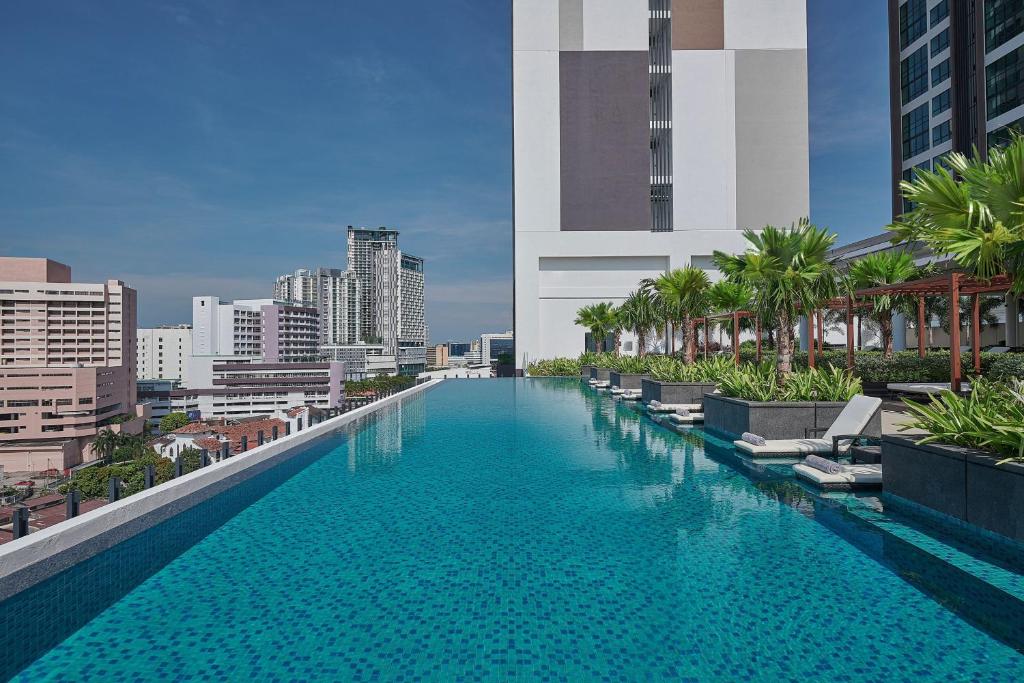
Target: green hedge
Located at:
point(907, 366)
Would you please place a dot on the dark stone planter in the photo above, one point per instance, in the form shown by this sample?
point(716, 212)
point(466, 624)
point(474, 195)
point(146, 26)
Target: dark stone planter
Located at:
point(674, 392)
point(960, 482)
point(776, 420)
point(880, 389)
point(600, 374)
point(624, 381)
point(585, 371)
point(507, 371)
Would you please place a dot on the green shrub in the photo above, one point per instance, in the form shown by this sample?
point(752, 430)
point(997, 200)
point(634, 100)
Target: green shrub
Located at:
point(378, 384)
point(990, 419)
point(172, 421)
point(753, 382)
point(1006, 367)
point(669, 369)
point(556, 367)
point(631, 365)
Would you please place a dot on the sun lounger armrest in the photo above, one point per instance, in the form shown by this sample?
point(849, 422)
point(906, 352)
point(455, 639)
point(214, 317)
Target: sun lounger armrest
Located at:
point(811, 431)
point(854, 438)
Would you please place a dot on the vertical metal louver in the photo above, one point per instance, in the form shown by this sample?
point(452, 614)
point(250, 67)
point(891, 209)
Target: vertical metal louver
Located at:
point(660, 61)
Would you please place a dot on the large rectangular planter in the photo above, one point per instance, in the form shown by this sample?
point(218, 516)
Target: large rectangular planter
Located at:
point(600, 374)
point(962, 483)
point(626, 381)
point(674, 392)
point(777, 419)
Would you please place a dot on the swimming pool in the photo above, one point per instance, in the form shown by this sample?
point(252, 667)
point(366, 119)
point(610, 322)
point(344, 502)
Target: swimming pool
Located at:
point(524, 529)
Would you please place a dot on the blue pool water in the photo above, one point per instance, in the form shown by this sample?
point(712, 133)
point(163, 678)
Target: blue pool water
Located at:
point(531, 530)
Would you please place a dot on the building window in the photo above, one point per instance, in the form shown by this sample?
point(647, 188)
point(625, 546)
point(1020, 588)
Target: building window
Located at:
point(941, 133)
point(940, 162)
point(940, 12)
point(940, 102)
point(913, 21)
point(915, 132)
point(1004, 134)
point(1004, 85)
point(914, 75)
point(940, 42)
point(940, 72)
point(1004, 19)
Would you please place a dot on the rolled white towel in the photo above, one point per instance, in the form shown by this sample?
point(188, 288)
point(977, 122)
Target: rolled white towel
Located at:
point(682, 412)
point(655, 403)
point(823, 464)
point(754, 439)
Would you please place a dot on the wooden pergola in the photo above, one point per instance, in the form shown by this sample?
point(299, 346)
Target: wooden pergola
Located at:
point(954, 285)
point(736, 317)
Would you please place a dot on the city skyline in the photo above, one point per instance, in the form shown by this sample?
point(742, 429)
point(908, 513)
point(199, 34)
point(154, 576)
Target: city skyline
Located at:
point(211, 170)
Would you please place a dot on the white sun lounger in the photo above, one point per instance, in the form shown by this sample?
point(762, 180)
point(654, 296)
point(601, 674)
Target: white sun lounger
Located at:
point(999, 349)
point(692, 418)
point(617, 391)
point(928, 388)
point(673, 407)
point(601, 385)
point(854, 418)
point(851, 476)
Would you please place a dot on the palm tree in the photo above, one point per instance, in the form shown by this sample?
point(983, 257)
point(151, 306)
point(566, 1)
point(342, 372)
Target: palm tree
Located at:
point(684, 293)
point(106, 442)
point(600, 319)
point(727, 297)
point(788, 272)
point(639, 314)
point(972, 211)
point(885, 268)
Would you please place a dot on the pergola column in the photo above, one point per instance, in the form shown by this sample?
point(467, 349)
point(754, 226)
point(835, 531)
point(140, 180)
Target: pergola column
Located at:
point(810, 339)
point(976, 332)
point(849, 334)
point(736, 336)
point(821, 331)
point(757, 335)
point(954, 332)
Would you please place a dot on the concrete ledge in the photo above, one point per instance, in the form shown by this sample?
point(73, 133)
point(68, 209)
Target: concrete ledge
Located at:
point(674, 392)
point(41, 555)
point(626, 381)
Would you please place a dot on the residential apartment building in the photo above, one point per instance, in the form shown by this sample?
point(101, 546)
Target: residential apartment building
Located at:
point(647, 135)
point(334, 293)
point(275, 331)
point(67, 364)
point(363, 246)
point(244, 389)
point(956, 73)
point(163, 351)
point(399, 305)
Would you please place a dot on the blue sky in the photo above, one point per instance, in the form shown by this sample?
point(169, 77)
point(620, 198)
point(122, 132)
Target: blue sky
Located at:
point(205, 147)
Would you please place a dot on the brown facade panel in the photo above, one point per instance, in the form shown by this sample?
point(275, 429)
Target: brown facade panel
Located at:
point(605, 141)
point(698, 25)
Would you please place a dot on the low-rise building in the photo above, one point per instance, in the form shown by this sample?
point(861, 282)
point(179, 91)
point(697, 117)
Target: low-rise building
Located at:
point(437, 356)
point(274, 331)
point(361, 360)
point(240, 390)
point(156, 394)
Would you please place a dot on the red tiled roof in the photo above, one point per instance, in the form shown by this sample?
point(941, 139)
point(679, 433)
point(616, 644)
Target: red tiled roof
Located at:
point(193, 428)
point(250, 430)
point(209, 443)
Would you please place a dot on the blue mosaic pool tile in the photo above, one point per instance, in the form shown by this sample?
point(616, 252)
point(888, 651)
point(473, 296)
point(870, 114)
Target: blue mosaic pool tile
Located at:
point(519, 531)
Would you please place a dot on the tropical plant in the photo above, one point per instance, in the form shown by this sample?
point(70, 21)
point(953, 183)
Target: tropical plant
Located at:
point(172, 421)
point(991, 419)
point(640, 314)
point(601, 320)
point(885, 268)
point(971, 211)
point(754, 382)
point(727, 297)
point(683, 293)
point(789, 272)
point(987, 307)
point(751, 382)
point(556, 367)
point(631, 365)
point(106, 442)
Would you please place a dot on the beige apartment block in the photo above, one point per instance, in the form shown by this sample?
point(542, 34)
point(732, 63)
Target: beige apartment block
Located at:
point(67, 364)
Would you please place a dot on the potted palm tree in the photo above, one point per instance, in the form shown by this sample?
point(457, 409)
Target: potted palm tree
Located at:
point(886, 268)
point(683, 296)
point(602, 321)
point(787, 272)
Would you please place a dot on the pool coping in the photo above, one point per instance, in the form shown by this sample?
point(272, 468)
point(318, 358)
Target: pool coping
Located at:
point(39, 556)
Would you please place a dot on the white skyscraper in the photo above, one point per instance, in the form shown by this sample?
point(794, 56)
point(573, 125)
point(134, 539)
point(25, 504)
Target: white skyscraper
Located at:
point(162, 351)
point(647, 135)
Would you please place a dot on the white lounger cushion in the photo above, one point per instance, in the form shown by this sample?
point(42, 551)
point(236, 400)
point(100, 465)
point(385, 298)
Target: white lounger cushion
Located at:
point(863, 475)
point(672, 407)
point(787, 447)
point(686, 419)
